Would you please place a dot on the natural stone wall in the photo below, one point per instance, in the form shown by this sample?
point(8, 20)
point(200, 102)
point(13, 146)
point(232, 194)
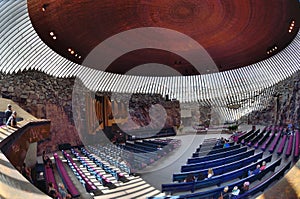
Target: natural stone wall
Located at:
point(44, 96)
point(283, 107)
point(48, 97)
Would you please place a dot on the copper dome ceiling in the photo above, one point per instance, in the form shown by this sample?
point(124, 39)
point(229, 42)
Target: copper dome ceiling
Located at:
point(235, 33)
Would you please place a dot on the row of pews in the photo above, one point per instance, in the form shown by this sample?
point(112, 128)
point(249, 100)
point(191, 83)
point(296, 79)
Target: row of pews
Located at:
point(135, 155)
point(96, 162)
point(69, 185)
point(231, 165)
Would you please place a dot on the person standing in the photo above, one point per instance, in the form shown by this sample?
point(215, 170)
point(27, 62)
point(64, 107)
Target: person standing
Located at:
point(8, 112)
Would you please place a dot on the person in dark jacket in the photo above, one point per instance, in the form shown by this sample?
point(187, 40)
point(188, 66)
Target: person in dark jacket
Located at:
point(8, 112)
point(12, 120)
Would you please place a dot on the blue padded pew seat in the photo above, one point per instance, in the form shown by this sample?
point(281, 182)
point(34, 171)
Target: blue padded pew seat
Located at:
point(215, 151)
point(215, 193)
point(215, 180)
point(220, 169)
point(264, 184)
point(216, 156)
point(216, 162)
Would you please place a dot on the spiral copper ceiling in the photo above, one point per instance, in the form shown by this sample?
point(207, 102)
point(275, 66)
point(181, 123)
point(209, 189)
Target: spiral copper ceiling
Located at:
point(235, 33)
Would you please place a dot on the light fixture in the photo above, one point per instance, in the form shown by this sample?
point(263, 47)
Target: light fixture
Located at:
point(44, 7)
point(292, 24)
point(72, 52)
point(54, 37)
point(272, 49)
point(51, 33)
point(69, 49)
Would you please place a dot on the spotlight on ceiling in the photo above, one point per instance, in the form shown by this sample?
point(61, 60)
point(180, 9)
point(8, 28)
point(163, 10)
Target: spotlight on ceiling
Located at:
point(44, 7)
point(292, 24)
point(74, 53)
point(271, 49)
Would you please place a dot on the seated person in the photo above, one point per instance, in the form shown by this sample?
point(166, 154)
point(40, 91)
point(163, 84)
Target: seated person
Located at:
point(68, 196)
point(52, 192)
point(12, 120)
point(200, 177)
point(62, 191)
point(250, 173)
point(283, 132)
point(210, 173)
point(235, 136)
point(226, 144)
point(189, 178)
point(257, 170)
point(245, 187)
point(47, 161)
point(263, 166)
point(225, 194)
point(220, 141)
point(235, 192)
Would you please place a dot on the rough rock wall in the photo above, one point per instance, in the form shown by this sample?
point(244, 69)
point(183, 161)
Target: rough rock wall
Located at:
point(283, 107)
point(44, 96)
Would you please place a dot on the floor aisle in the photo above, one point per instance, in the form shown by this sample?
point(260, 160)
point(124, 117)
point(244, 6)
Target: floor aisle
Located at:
point(162, 171)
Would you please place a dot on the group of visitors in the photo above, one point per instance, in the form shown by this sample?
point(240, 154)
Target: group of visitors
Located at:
point(288, 131)
point(191, 178)
point(258, 169)
point(62, 192)
point(10, 116)
point(225, 194)
point(236, 191)
point(223, 141)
